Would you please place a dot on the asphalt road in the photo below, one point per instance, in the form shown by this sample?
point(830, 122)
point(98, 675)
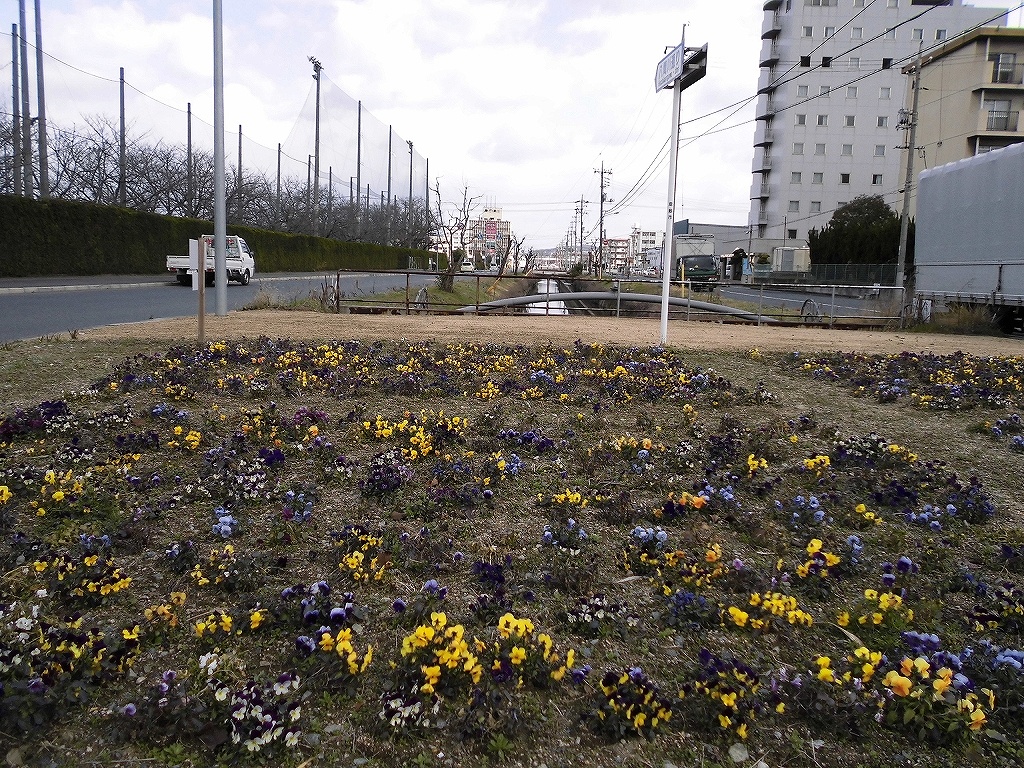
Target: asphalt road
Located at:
point(35, 307)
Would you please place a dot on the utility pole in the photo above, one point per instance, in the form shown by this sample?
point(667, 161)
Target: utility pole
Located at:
point(316, 149)
point(122, 171)
point(409, 212)
point(44, 166)
point(220, 215)
point(911, 126)
point(582, 210)
point(390, 208)
point(359, 161)
point(16, 111)
point(26, 116)
point(189, 175)
point(600, 218)
point(677, 70)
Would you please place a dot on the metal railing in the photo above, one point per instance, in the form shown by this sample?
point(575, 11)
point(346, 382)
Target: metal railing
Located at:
point(1007, 74)
point(1002, 120)
point(823, 305)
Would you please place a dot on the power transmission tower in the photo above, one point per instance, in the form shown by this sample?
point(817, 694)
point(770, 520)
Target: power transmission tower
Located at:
point(600, 219)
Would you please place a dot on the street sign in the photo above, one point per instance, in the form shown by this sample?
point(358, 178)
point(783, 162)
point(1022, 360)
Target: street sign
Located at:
point(669, 68)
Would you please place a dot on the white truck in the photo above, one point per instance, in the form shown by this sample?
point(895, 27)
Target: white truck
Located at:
point(969, 243)
point(241, 262)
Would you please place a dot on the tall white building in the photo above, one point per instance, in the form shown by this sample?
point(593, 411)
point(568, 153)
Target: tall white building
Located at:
point(828, 109)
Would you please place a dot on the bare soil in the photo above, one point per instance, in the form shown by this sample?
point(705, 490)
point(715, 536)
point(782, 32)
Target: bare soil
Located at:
point(527, 329)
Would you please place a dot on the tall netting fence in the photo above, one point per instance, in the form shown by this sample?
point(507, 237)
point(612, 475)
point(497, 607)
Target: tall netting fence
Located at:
point(371, 184)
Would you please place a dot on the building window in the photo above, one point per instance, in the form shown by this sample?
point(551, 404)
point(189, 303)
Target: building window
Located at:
point(805, 61)
point(883, 121)
point(826, 62)
point(893, 4)
point(851, 91)
point(822, 120)
point(794, 177)
point(821, 3)
point(819, 149)
point(801, 119)
point(940, 34)
point(848, 150)
point(885, 92)
point(854, 63)
point(999, 115)
point(879, 150)
point(824, 90)
point(818, 178)
point(851, 121)
point(1003, 66)
point(798, 148)
point(856, 33)
point(801, 91)
point(917, 34)
point(791, 234)
point(807, 32)
point(794, 206)
point(890, 34)
point(815, 206)
point(829, 31)
point(876, 179)
point(844, 178)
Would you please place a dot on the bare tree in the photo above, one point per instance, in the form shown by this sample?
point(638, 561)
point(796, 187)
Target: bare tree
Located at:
point(451, 222)
point(511, 254)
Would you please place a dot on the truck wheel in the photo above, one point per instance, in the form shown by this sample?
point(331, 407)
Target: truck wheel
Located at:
point(185, 279)
point(245, 277)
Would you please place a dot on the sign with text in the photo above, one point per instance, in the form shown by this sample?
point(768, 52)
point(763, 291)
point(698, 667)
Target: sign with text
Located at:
point(669, 68)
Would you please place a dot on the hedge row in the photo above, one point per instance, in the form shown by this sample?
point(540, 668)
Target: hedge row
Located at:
point(62, 237)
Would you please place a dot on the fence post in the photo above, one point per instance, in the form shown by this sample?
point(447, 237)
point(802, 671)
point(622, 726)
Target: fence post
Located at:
point(337, 292)
point(407, 292)
point(760, 302)
point(478, 294)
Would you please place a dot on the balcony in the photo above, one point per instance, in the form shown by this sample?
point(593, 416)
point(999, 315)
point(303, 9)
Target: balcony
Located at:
point(1007, 75)
point(766, 81)
point(772, 5)
point(762, 164)
point(1001, 120)
point(769, 53)
point(765, 110)
point(772, 27)
point(764, 135)
point(764, 192)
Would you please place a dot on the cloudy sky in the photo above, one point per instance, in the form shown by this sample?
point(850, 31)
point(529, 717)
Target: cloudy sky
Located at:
point(520, 100)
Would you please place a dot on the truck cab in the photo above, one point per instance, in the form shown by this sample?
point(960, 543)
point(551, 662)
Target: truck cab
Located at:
point(696, 261)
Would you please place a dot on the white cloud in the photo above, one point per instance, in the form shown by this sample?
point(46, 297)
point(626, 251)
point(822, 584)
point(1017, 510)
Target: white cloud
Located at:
point(519, 100)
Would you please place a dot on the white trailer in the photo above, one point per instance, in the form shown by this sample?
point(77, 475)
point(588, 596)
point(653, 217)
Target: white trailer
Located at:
point(969, 243)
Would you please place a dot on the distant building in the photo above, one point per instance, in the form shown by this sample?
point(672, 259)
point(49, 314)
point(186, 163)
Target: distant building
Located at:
point(971, 97)
point(617, 255)
point(830, 94)
point(487, 239)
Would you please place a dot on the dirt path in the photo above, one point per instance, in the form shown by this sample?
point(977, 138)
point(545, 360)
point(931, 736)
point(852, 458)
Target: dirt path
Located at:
point(521, 329)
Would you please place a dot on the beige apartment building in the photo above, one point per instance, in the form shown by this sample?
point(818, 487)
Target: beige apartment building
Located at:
point(972, 94)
